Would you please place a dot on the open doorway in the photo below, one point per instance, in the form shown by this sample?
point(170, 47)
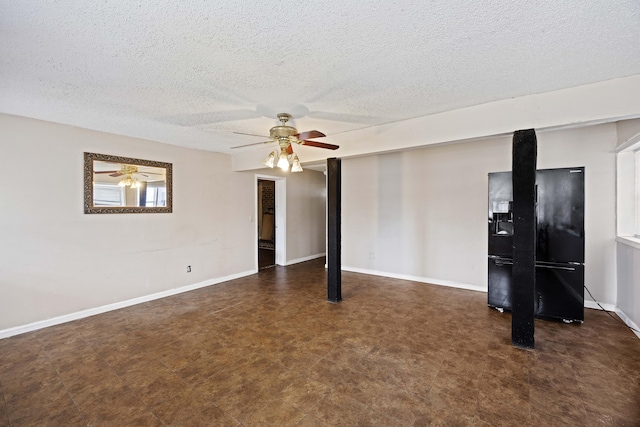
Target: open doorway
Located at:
point(266, 223)
point(270, 221)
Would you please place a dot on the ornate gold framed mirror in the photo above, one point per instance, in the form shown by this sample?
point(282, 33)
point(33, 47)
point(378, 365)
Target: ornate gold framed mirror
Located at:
point(115, 184)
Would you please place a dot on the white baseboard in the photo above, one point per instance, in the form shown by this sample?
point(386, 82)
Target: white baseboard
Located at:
point(17, 330)
point(587, 303)
point(594, 305)
point(307, 258)
point(626, 319)
point(428, 280)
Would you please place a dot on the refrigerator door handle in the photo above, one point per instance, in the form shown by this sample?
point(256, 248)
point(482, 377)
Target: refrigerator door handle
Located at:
point(555, 267)
point(500, 262)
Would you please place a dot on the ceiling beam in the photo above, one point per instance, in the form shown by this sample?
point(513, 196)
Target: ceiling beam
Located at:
point(601, 102)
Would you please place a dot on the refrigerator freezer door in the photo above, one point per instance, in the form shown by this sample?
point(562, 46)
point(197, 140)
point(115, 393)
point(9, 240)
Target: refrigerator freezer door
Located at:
point(559, 291)
point(560, 212)
point(558, 294)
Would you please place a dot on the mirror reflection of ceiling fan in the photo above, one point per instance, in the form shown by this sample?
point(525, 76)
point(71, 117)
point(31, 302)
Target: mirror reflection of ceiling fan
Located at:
point(285, 136)
point(129, 172)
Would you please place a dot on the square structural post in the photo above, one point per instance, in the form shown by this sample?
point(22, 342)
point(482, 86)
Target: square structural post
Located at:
point(524, 238)
point(334, 277)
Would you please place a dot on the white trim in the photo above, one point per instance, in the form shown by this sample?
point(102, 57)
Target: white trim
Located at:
point(629, 241)
point(280, 220)
point(452, 284)
point(306, 258)
point(428, 280)
point(17, 330)
point(629, 144)
point(594, 305)
point(626, 319)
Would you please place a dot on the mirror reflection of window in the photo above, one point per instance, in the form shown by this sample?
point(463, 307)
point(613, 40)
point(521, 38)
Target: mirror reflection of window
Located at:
point(156, 194)
point(108, 195)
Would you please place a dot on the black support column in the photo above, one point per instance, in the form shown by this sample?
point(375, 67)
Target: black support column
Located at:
point(334, 282)
point(524, 238)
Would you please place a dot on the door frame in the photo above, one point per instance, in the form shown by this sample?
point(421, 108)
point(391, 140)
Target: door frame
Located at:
point(280, 219)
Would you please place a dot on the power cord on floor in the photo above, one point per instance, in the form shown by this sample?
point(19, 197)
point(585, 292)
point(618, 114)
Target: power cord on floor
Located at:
point(611, 315)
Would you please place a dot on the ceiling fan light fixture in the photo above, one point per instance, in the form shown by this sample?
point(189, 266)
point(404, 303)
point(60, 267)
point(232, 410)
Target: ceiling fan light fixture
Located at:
point(129, 181)
point(286, 137)
point(283, 161)
point(296, 167)
point(270, 160)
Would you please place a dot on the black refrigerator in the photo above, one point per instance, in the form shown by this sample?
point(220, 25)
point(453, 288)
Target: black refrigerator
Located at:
point(559, 268)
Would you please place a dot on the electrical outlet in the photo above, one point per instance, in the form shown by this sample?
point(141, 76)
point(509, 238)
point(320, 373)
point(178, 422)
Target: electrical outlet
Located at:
point(188, 269)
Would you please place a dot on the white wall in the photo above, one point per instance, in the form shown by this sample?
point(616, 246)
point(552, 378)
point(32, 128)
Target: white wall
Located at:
point(55, 260)
point(419, 213)
point(422, 214)
point(306, 212)
point(306, 215)
point(629, 283)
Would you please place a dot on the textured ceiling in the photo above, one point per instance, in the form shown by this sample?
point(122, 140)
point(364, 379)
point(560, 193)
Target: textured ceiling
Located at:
point(193, 72)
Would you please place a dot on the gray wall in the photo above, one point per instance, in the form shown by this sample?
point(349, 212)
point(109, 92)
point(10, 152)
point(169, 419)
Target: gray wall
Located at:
point(422, 214)
point(629, 281)
point(56, 261)
point(628, 246)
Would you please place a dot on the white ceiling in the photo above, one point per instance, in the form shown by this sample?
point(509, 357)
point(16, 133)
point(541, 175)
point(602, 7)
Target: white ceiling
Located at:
point(193, 72)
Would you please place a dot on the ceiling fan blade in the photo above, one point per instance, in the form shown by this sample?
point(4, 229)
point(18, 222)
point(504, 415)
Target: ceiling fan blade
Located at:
point(319, 144)
point(251, 134)
point(116, 174)
point(289, 149)
point(310, 134)
point(96, 172)
point(249, 145)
